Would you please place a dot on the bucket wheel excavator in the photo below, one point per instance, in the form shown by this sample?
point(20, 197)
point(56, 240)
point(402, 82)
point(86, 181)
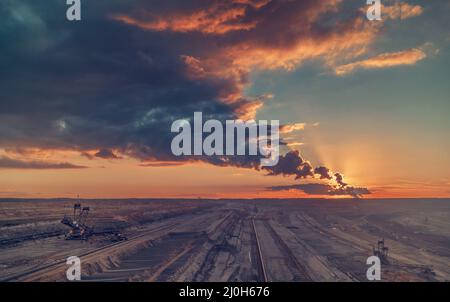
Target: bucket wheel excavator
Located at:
point(79, 230)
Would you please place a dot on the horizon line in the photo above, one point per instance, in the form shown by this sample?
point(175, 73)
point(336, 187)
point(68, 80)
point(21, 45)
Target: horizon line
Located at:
point(219, 199)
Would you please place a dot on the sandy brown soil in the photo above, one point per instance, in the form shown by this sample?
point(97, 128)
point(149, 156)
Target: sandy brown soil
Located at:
point(248, 240)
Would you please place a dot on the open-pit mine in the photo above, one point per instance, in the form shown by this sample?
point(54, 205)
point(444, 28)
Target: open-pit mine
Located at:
point(225, 240)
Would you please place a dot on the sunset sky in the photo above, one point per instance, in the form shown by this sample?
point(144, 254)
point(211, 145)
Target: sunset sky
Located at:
point(86, 106)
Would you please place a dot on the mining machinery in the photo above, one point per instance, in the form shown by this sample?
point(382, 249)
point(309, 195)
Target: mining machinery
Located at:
point(77, 223)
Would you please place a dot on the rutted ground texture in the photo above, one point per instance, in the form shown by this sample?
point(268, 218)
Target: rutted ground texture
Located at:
point(228, 240)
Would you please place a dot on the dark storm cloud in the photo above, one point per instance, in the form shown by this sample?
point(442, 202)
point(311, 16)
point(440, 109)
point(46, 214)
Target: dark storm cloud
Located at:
point(93, 84)
point(10, 163)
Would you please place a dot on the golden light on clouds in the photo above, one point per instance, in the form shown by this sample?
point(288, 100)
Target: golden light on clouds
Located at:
point(384, 60)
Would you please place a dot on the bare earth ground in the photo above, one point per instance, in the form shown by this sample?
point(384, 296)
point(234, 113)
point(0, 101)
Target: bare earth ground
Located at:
point(211, 240)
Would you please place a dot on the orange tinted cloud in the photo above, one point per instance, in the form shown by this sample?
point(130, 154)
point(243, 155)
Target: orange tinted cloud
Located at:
point(219, 18)
point(292, 127)
point(248, 110)
point(203, 21)
point(402, 11)
point(281, 42)
point(405, 57)
point(35, 159)
point(294, 144)
point(280, 36)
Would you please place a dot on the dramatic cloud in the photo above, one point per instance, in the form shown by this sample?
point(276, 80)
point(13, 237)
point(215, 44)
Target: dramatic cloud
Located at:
point(118, 79)
point(10, 163)
point(406, 57)
point(106, 84)
point(292, 164)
